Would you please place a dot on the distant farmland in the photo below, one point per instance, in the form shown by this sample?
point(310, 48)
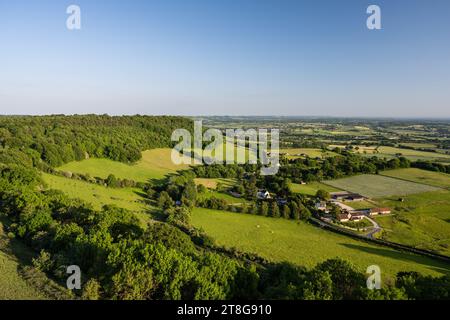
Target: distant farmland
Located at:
point(376, 186)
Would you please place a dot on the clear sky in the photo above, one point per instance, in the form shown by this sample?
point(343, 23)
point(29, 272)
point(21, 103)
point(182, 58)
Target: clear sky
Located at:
point(226, 57)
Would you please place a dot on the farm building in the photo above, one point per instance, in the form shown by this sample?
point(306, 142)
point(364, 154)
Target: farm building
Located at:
point(263, 195)
point(357, 216)
point(344, 216)
point(321, 205)
point(377, 211)
point(346, 196)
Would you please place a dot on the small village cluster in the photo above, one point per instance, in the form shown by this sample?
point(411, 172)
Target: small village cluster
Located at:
point(347, 214)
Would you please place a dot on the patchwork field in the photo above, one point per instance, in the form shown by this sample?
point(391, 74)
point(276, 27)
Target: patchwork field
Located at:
point(431, 178)
point(155, 164)
point(98, 196)
point(377, 186)
point(421, 220)
point(303, 244)
point(311, 188)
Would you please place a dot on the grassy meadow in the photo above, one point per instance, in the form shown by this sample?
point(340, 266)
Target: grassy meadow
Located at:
point(212, 183)
point(303, 244)
point(311, 188)
point(293, 153)
point(421, 220)
point(98, 196)
point(377, 186)
point(437, 179)
point(155, 164)
point(391, 152)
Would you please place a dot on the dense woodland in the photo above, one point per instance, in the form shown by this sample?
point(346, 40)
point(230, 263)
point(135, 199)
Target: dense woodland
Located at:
point(167, 259)
point(54, 140)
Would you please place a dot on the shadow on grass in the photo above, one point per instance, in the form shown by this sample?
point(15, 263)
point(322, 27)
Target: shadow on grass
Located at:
point(13, 247)
point(47, 286)
point(432, 264)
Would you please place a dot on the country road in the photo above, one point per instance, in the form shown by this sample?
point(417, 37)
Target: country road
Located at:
point(376, 228)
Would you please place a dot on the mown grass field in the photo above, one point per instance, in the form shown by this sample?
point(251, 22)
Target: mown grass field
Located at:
point(311, 188)
point(422, 220)
point(361, 204)
point(98, 196)
point(212, 183)
point(377, 186)
point(310, 152)
point(431, 178)
point(303, 244)
point(155, 164)
point(12, 285)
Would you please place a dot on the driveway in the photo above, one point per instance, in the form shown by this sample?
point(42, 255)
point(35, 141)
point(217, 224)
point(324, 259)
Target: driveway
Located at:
point(376, 228)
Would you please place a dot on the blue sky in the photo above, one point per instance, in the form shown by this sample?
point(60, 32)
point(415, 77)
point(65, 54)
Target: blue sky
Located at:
point(234, 57)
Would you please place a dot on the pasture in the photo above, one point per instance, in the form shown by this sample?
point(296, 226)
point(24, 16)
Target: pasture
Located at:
point(212, 183)
point(421, 220)
point(303, 244)
point(311, 188)
point(155, 164)
point(392, 152)
point(293, 153)
point(377, 186)
point(437, 179)
point(98, 196)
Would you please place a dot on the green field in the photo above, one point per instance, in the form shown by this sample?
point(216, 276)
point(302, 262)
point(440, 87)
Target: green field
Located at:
point(431, 178)
point(421, 220)
point(300, 243)
point(414, 154)
point(377, 186)
point(212, 183)
point(311, 188)
point(361, 204)
point(155, 164)
point(98, 196)
point(12, 285)
point(392, 152)
point(293, 153)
